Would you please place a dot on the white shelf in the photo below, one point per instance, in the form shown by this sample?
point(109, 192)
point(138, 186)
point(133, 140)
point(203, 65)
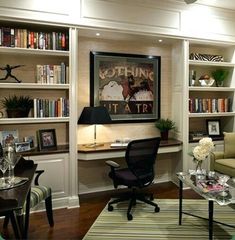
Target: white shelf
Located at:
point(28, 51)
point(212, 89)
point(208, 63)
point(33, 120)
point(33, 86)
point(202, 115)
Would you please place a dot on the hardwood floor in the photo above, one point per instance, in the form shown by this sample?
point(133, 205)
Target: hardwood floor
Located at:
point(74, 223)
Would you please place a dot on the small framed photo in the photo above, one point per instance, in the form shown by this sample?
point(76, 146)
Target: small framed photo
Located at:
point(213, 128)
point(11, 136)
point(22, 146)
point(47, 139)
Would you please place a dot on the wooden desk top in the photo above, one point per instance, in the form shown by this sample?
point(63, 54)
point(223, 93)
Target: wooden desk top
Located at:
point(106, 146)
point(105, 151)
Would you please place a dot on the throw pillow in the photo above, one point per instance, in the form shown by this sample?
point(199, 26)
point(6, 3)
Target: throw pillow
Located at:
point(229, 143)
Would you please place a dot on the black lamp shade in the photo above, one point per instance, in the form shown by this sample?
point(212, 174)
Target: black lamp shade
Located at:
point(94, 115)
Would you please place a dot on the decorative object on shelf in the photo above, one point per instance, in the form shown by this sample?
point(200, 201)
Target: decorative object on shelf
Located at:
point(165, 125)
point(201, 152)
point(206, 81)
point(29, 139)
point(196, 136)
point(213, 127)
point(46, 139)
point(192, 77)
point(22, 146)
point(128, 85)
point(206, 57)
point(94, 115)
point(220, 75)
point(8, 69)
point(17, 106)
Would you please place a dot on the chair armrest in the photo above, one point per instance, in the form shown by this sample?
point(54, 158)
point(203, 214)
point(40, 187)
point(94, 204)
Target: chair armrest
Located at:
point(213, 157)
point(112, 164)
point(38, 172)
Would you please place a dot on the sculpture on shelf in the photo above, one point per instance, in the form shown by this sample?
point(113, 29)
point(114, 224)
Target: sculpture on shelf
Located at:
point(8, 69)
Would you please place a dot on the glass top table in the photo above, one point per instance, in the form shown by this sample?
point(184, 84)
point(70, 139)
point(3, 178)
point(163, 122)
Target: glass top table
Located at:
point(211, 190)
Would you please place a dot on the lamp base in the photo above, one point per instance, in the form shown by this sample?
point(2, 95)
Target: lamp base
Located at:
point(94, 145)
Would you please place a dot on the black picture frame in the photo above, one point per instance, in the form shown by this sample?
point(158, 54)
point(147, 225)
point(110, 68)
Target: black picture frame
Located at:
point(128, 85)
point(47, 139)
point(213, 127)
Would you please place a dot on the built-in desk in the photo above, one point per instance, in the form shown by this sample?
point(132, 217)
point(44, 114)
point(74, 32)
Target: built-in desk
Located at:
point(105, 151)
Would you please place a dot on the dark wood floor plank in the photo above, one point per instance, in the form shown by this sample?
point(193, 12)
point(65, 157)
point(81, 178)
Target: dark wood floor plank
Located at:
point(74, 223)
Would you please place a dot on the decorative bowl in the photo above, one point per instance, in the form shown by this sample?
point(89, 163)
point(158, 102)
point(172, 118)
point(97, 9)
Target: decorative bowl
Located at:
point(207, 82)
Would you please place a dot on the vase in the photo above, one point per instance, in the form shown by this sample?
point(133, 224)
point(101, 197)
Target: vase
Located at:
point(164, 135)
point(199, 171)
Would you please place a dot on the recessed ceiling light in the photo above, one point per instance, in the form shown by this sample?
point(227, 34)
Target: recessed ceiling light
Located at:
point(159, 40)
point(190, 1)
point(97, 34)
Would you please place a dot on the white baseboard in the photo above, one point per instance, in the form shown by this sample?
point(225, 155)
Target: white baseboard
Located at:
point(66, 202)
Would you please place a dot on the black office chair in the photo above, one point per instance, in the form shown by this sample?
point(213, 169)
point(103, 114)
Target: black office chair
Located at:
point(140, 158)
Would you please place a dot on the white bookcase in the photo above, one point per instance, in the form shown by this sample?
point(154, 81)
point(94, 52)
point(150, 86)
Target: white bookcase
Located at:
point(196, 121)
point(62, 163)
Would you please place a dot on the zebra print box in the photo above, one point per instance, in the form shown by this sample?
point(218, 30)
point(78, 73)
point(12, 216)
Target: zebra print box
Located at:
point(206, 57)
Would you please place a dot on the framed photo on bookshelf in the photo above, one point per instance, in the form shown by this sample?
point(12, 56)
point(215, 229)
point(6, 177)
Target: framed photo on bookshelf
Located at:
point(128, 85)
point(22, 146)
point(9, 136)
point(213, 128)
point(46, 139)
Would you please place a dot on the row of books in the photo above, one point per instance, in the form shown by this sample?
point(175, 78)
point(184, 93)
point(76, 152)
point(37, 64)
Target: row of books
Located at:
point(52, 74)
point(207, 105)
point(24, 38)
point(51, 108)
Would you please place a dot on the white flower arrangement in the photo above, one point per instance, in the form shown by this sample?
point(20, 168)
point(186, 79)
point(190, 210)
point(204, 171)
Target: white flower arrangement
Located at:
point(202, 151)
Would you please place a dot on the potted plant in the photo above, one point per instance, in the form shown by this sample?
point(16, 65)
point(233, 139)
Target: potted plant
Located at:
point(165, 125)
point(219, 75)
point(17, 106)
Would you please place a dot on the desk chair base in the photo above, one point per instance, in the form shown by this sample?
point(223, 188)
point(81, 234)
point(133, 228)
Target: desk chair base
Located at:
point(132, 202)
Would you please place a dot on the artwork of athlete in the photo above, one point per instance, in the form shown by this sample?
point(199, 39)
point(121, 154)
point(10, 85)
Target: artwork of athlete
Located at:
point(8, 69)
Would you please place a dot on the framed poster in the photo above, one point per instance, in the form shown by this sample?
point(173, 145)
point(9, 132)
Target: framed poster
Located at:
point(128, 85)
point(213, 128)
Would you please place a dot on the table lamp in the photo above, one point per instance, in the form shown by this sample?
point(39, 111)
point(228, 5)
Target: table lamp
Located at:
point(94, 115)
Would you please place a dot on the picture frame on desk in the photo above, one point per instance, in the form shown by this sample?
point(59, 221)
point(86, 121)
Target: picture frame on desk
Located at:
point(213, 127)
point(46, 139)
point(128, 85)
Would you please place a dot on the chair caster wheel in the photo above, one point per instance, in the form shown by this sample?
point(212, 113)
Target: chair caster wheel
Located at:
point(110, 208)
point(129, 217)
point(157, 209)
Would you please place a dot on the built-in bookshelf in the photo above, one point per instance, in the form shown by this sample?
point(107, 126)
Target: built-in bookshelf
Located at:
point(210, 102)
point(42, 54)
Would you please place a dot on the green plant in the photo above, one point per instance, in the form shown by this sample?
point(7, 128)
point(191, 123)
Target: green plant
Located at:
point(17, 102)
point(219, 75)
point(165, 124)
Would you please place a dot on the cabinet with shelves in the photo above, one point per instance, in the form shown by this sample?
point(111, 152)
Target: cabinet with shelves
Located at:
point(65, 192)
point(211, 102)
point(29, 57)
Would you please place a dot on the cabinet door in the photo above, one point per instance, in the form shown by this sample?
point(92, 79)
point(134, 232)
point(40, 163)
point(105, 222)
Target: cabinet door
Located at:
point(56, 173)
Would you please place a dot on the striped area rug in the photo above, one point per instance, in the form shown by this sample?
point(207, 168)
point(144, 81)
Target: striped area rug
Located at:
point(147, 224)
